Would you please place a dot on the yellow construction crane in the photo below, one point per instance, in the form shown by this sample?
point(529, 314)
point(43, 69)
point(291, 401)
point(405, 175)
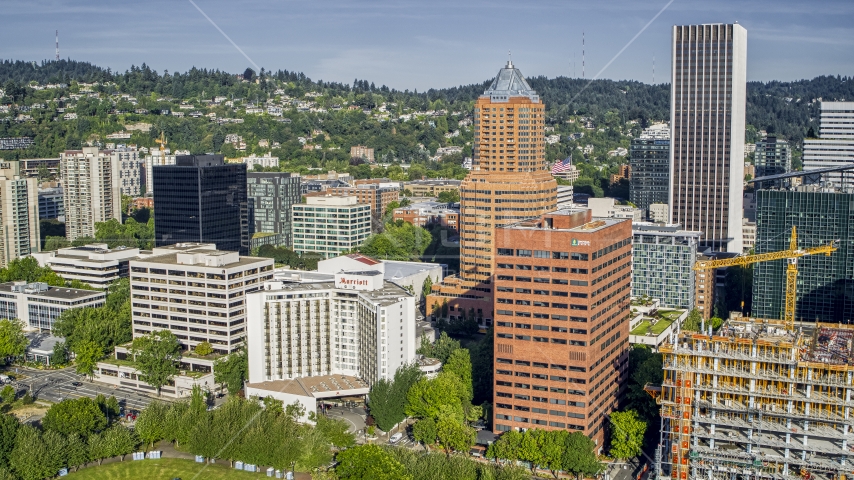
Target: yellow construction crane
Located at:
point(792, 255)
point(162, 141)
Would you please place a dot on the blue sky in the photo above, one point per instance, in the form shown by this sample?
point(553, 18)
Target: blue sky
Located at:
point(422, 44)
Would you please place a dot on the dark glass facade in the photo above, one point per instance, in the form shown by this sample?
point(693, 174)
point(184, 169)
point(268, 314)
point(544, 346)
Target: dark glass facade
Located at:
point(271, 200)
point(202, 199)
point(650, 166)
point(825, 283)
point(772, 157)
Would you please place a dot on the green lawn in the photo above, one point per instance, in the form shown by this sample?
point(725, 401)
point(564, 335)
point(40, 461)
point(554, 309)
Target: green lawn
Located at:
point(656, 329)
point(165, 468)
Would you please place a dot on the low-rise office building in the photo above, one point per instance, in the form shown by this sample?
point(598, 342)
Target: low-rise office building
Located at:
point(409, 275)
point(425, 214)
point(431, 187)
point(94, 264)
point(330, 225)
point(38, 305)
point(196, 292)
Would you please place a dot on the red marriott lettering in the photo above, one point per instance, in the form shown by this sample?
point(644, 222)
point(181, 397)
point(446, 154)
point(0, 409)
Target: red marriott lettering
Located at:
point(351, 281)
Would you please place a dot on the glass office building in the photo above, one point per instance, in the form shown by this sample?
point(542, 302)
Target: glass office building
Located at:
point(271, 200)
point(202, 199)
point(650, 166)
point(825, 283)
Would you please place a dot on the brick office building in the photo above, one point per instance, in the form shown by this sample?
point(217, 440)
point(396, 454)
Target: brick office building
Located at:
point(562, 289)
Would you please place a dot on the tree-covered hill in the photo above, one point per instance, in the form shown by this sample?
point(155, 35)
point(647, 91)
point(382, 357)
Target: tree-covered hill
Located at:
point(788, 108)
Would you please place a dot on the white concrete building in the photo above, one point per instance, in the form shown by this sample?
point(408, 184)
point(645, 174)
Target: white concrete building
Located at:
point(266, 161)
point(409, 275)
point(90, 180)
point(130, 171)
point(659, 212)
point(708, 82)
point(39, 305)
point(19, 214)
point(155, 159)
point(330, 225)
point(835, 147)
point(351, 328)
point(94, 264)
point(748, 231)
point(196, 292)
point(607, 207)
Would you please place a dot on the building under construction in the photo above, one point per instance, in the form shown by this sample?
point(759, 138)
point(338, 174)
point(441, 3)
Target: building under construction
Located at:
point(758, 400)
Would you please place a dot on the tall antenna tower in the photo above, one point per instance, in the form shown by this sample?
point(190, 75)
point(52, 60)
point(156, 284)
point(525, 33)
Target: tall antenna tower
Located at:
point(582, 54)
point(653, 69)
point(57, 45)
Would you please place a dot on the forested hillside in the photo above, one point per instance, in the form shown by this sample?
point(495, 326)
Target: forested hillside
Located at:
point(65, 104)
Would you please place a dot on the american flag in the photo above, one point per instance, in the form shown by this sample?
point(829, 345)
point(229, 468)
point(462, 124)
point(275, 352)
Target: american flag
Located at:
point(562, 165)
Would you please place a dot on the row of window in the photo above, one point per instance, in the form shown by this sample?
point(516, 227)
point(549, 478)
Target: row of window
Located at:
point(528, 326)
point(544, 316)
point(559, 341)
point(543, 268)
point(509, 252)
point(565, 306)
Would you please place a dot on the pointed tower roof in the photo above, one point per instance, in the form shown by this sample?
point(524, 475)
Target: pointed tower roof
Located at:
point(510, 83)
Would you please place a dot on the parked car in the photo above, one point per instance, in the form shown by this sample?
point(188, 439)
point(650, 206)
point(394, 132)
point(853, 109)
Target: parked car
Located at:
point(395, 438)
point(77, 384)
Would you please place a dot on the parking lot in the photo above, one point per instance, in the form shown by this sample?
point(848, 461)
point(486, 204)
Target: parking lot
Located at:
point(58, 385)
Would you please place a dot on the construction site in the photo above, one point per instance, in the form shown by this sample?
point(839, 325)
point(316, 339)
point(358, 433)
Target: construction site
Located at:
point(758, 400)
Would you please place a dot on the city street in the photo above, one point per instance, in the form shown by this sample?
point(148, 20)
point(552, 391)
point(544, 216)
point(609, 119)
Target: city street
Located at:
point(57, 385)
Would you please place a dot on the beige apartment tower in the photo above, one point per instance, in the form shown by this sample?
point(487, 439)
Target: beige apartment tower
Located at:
point(707, 107)
point(92, 190)
point(19, 214)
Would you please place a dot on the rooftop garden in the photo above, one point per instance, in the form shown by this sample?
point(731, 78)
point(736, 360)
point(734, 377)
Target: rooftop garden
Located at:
point(656, 324)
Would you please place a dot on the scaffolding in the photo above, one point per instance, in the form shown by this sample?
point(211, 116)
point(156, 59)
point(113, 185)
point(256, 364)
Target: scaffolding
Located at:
point(758, 400)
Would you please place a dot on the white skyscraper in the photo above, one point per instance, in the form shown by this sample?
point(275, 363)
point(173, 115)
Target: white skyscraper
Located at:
point(19, 214)
point(835, 147)
point(707, 108)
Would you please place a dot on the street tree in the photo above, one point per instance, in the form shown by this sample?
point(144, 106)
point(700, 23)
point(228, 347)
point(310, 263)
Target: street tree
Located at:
point(427, 397)
point(27, 459)
point(424, 431)
point(453, 435)
point(8, 429)
point(232, 371)
point(87, 354)
point(59, 357)
point(13, 341)
point(76, 451)
point(627, 431)
point(157, 355)
point(459, 364)
point(151, 423)
point(79, 415)
point(369, 461)
point(579, 457)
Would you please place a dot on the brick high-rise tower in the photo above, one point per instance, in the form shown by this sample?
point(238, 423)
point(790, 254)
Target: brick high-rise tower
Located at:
point(510, 181)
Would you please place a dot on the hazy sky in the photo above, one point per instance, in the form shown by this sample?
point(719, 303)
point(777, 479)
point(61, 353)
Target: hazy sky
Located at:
point(422, 44)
